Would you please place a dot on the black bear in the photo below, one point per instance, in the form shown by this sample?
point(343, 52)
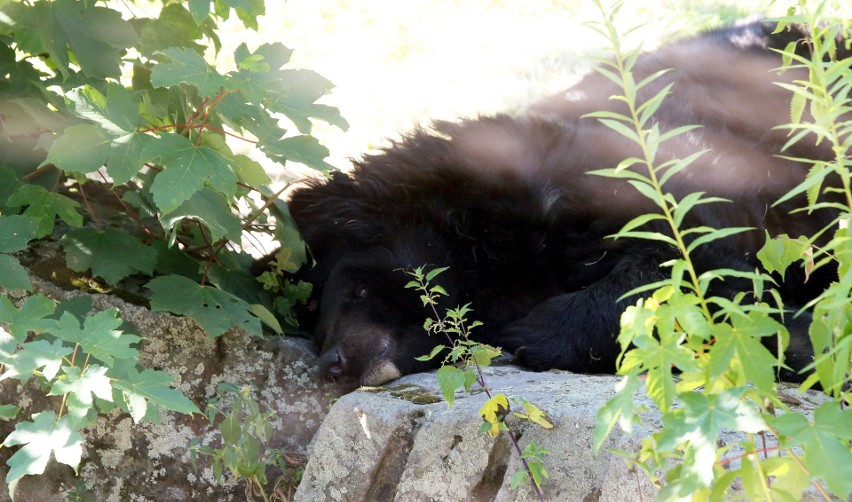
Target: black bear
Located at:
point(507, 204)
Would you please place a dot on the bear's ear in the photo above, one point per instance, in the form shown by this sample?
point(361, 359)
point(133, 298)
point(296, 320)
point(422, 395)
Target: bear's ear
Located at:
point(330, 213)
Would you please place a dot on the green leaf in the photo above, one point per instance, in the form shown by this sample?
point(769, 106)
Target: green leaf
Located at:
point(15, 232)
point(99, 335)
point(175, 27)
point(188, 168)
point(483, 354)
point(250, 171)
point(450, 379)
point(753, 359)
point(789, 480)
point(230, 429)
point(435, 273)
point(110, 253)
point(702, 419)
point(618, 409)
point(621, 128)
point(780, 252)
point(34, 355)
point(80, 387)
point(303, 149)
point(266, 317)
point(200, 9)
point(32, 316)
point(117, 113)
point(210, 208)
point(44, 206)
point(82, 148)
point(658, 357)
point(127, 155)
point(8, 411)
point(716, 234)
point(437, 350)
point(151, 386)
point(293, 93)
point(96, 35)
point(41, 438)
point(13, 275)
point(187, 67)
point(215, 310)
point(825, 441)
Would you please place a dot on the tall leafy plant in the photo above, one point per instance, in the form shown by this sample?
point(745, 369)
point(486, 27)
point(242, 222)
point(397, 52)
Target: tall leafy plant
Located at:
point(725, 377)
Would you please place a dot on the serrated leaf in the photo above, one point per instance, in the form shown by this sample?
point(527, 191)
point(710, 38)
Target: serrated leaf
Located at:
point(15, 232)
point(127, 155)
point(699, 425)
point(534, 414)
point(110, 253)
point(174, 27)
point(743, 342)
point(518, 478)
point(618, 409)
point(306, 150)
point(95, 35)
point(789, 480)
point(99, 335)
point(188, 168)
point(826, 443)
point(187, 67)
point(80, 388)
point(82, 148)
point(215, 310)
point(44, 206)
point(199, 9)
point(41, 438)
point(151, 386)
point(210, 208)
point(780, 252)
point(294, 93)
point(13, 275)
point(450, 379)
point(483, 354)
point(39, 354)
point(32, 316)
point(117, 113)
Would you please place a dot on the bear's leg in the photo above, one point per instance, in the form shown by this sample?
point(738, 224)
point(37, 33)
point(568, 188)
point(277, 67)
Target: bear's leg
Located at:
point(577, 331)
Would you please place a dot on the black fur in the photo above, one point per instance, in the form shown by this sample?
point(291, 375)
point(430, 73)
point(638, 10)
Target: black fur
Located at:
point(507, 204)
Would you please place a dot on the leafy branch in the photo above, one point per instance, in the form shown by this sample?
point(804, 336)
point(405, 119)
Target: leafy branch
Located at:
point(474, 356)
point(726, 379)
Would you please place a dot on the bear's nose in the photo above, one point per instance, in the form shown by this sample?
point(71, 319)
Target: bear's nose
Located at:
point(333, 363)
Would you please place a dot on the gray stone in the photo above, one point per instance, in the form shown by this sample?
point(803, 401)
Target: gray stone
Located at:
point(378, 444)
point(123, 461)
point(402, 443)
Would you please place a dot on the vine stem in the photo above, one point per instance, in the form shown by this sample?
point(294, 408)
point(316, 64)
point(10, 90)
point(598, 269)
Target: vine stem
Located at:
point(439, 321)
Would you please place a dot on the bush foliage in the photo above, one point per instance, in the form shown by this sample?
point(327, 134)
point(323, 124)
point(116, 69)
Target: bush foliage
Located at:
point(724, 376)
point(97, 99)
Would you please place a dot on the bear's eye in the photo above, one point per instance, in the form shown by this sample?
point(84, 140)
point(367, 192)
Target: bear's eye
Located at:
point(361, 292)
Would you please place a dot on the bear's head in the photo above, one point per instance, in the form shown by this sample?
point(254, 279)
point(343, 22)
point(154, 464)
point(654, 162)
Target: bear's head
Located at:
point(369, 327)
